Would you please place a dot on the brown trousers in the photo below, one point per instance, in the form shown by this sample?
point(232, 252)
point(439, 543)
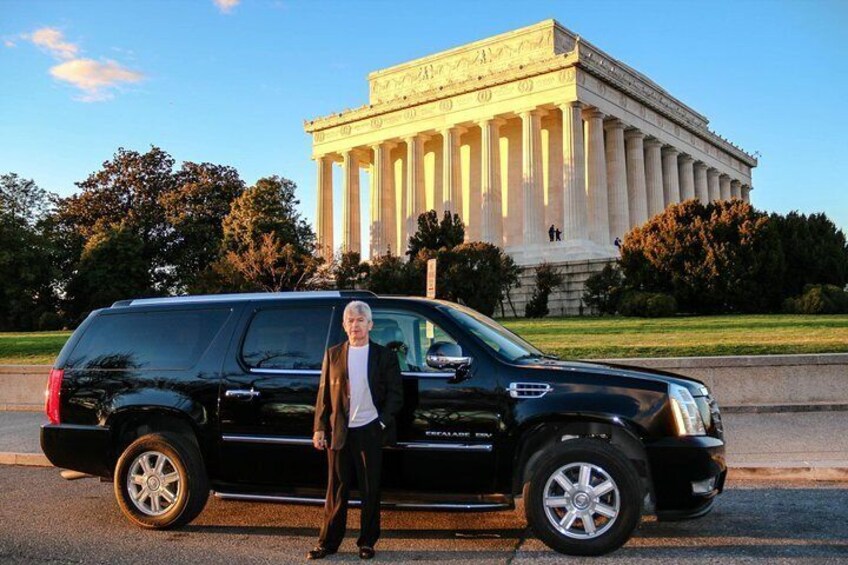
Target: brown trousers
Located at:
point(363, 451)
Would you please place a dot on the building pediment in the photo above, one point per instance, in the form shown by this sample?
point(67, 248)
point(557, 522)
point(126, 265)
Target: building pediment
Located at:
point(472, 62)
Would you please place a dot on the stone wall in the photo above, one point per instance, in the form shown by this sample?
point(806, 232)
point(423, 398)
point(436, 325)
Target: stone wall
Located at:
point(564, 301)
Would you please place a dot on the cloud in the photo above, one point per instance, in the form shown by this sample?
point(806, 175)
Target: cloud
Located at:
point(53, 41)
point(9, 43)
point(226, 6)
point(96, 79)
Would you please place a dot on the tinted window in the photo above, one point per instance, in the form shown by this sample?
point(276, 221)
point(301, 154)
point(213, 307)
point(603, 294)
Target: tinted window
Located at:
point(147, 340)
point(291, 338)
point(409, 335)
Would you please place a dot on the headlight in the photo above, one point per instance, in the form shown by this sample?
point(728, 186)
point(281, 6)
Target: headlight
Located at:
point(686, 414)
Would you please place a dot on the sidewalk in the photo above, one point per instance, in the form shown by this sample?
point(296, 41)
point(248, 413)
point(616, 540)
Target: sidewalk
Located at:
point(802, 445)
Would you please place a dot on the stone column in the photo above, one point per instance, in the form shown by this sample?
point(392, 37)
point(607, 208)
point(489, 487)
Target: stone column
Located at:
point(735, 189)
point(654, 177)
point(687, 177)
point(702, 192)
point(712, 184)
point(671, 176)
point(616, 179)
point(746, 193)
point(451, 180)
point(388, 196)
point(724, 187)
point(414, 183)
point(325, 207)
point(575, 213)
point(377, 228)
point(596, 177)
point(637, 196)
point(490, 182)
point(350, 203)
point(531, 143)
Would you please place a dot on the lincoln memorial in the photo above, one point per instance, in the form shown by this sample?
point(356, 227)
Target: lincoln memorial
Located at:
point(517, 133)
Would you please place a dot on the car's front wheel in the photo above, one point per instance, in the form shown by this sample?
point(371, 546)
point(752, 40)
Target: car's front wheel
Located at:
point(583, 498)
point(160, 481)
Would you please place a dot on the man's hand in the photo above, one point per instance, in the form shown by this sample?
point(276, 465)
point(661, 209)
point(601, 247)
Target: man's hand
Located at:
point(319, 441)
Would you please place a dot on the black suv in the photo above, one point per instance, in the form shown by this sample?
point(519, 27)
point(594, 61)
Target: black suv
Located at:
point(172, 397)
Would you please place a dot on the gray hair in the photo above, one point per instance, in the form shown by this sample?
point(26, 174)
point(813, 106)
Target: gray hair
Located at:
point(357, 307)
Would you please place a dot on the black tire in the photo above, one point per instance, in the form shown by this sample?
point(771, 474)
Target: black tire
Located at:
point(189, 491)
point(602, 463)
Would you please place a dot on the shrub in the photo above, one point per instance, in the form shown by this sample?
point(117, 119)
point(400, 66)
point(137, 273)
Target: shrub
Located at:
point(642, 304)
point(818, 299)
point(717, 257)
point(476, 274)
point(390, 274)
point(547, 278)
point(603, 290)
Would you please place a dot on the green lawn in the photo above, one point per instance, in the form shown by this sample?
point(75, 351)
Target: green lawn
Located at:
point(588, 338)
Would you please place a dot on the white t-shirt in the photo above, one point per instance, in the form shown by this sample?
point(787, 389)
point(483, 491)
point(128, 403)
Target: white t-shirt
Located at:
point(362, 410)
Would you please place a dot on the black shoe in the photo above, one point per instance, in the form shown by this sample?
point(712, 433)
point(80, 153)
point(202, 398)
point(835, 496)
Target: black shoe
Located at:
point(320, 552)
point(366, 552)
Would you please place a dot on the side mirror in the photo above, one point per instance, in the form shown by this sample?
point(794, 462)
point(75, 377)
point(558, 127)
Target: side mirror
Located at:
point(445, 355)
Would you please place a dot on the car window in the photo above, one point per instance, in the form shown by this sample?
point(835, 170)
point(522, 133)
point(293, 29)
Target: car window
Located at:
point(147, 340)
point(290, 338)
point(409, 335)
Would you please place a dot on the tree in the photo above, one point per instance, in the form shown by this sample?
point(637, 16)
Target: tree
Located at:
point(476, 274)
point(27, 272)
point(196, 209)
point(349, 270)
point(267, 242)
point(604, 289)
point(127, 193)
point(435, 235)
point(717, 257)
point(814, 249)
point(112, 267)
point(390, 274)
point(547, 279)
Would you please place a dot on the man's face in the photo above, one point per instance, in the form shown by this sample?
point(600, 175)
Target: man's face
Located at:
point(357, 326)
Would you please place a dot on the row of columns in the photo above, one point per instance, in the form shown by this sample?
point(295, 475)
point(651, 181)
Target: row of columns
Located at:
point(614, 177)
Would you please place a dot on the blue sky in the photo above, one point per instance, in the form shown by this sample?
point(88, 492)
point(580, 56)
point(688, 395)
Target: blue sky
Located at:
point(231, 82)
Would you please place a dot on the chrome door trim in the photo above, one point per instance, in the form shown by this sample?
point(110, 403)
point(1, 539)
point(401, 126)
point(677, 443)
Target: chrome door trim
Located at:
point(276, 440)
point(357, 502)
point(307, 372)
point(289, 440)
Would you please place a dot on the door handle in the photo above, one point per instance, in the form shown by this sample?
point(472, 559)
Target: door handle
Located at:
point(242, 394)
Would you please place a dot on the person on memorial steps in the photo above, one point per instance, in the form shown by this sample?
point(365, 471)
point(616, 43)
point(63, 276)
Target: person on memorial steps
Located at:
point(359, 395)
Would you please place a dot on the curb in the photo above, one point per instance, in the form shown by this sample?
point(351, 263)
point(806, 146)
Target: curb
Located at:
point(783, 408)
point(27, 459)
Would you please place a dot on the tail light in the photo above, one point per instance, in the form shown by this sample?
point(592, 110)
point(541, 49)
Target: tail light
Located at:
point(52, 394)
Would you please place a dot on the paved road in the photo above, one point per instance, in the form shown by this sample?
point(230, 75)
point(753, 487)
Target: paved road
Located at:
point(753, 440)
point(46, 519)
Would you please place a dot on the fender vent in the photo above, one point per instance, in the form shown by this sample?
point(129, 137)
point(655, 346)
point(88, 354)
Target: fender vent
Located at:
point(529, 390)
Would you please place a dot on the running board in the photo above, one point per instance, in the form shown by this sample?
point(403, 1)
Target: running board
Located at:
point(451, 506)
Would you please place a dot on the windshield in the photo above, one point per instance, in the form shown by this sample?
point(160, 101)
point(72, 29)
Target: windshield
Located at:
point(503, 342)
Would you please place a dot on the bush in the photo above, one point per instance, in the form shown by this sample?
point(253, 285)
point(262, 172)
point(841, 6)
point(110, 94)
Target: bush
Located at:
point(642, 304)
point(547, 278)
point(476, 274)
point(390, 274)
point(49, 321)
point(818, 299)
point(719, 257)
point(603, 290)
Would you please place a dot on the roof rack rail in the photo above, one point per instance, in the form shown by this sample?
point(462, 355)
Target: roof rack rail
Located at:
point(122, 303)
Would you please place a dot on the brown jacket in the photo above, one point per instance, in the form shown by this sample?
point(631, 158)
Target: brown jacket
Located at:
point(332, 408)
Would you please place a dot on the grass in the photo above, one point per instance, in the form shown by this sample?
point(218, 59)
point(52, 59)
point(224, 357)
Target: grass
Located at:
point(593, 338)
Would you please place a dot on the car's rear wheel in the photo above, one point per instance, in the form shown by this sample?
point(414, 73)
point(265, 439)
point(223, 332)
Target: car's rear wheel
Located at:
point(160, 481)
point(583, 498)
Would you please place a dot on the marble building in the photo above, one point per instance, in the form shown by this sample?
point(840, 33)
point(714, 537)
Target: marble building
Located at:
point(516, 133)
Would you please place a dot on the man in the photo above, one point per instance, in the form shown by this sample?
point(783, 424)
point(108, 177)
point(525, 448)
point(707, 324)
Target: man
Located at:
point(358, 398)
point(551, 231)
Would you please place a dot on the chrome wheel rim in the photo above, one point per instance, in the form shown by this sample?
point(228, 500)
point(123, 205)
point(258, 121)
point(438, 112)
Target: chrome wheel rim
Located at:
point(581, 500)
point(153, 483)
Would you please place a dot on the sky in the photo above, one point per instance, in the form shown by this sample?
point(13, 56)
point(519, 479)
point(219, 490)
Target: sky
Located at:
point(231, 81)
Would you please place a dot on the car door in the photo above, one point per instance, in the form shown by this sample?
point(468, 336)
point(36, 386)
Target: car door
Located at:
point(446, 430)
point(267, 397)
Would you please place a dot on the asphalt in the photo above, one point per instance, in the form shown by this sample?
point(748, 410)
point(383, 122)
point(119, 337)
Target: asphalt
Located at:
point(791, 445)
